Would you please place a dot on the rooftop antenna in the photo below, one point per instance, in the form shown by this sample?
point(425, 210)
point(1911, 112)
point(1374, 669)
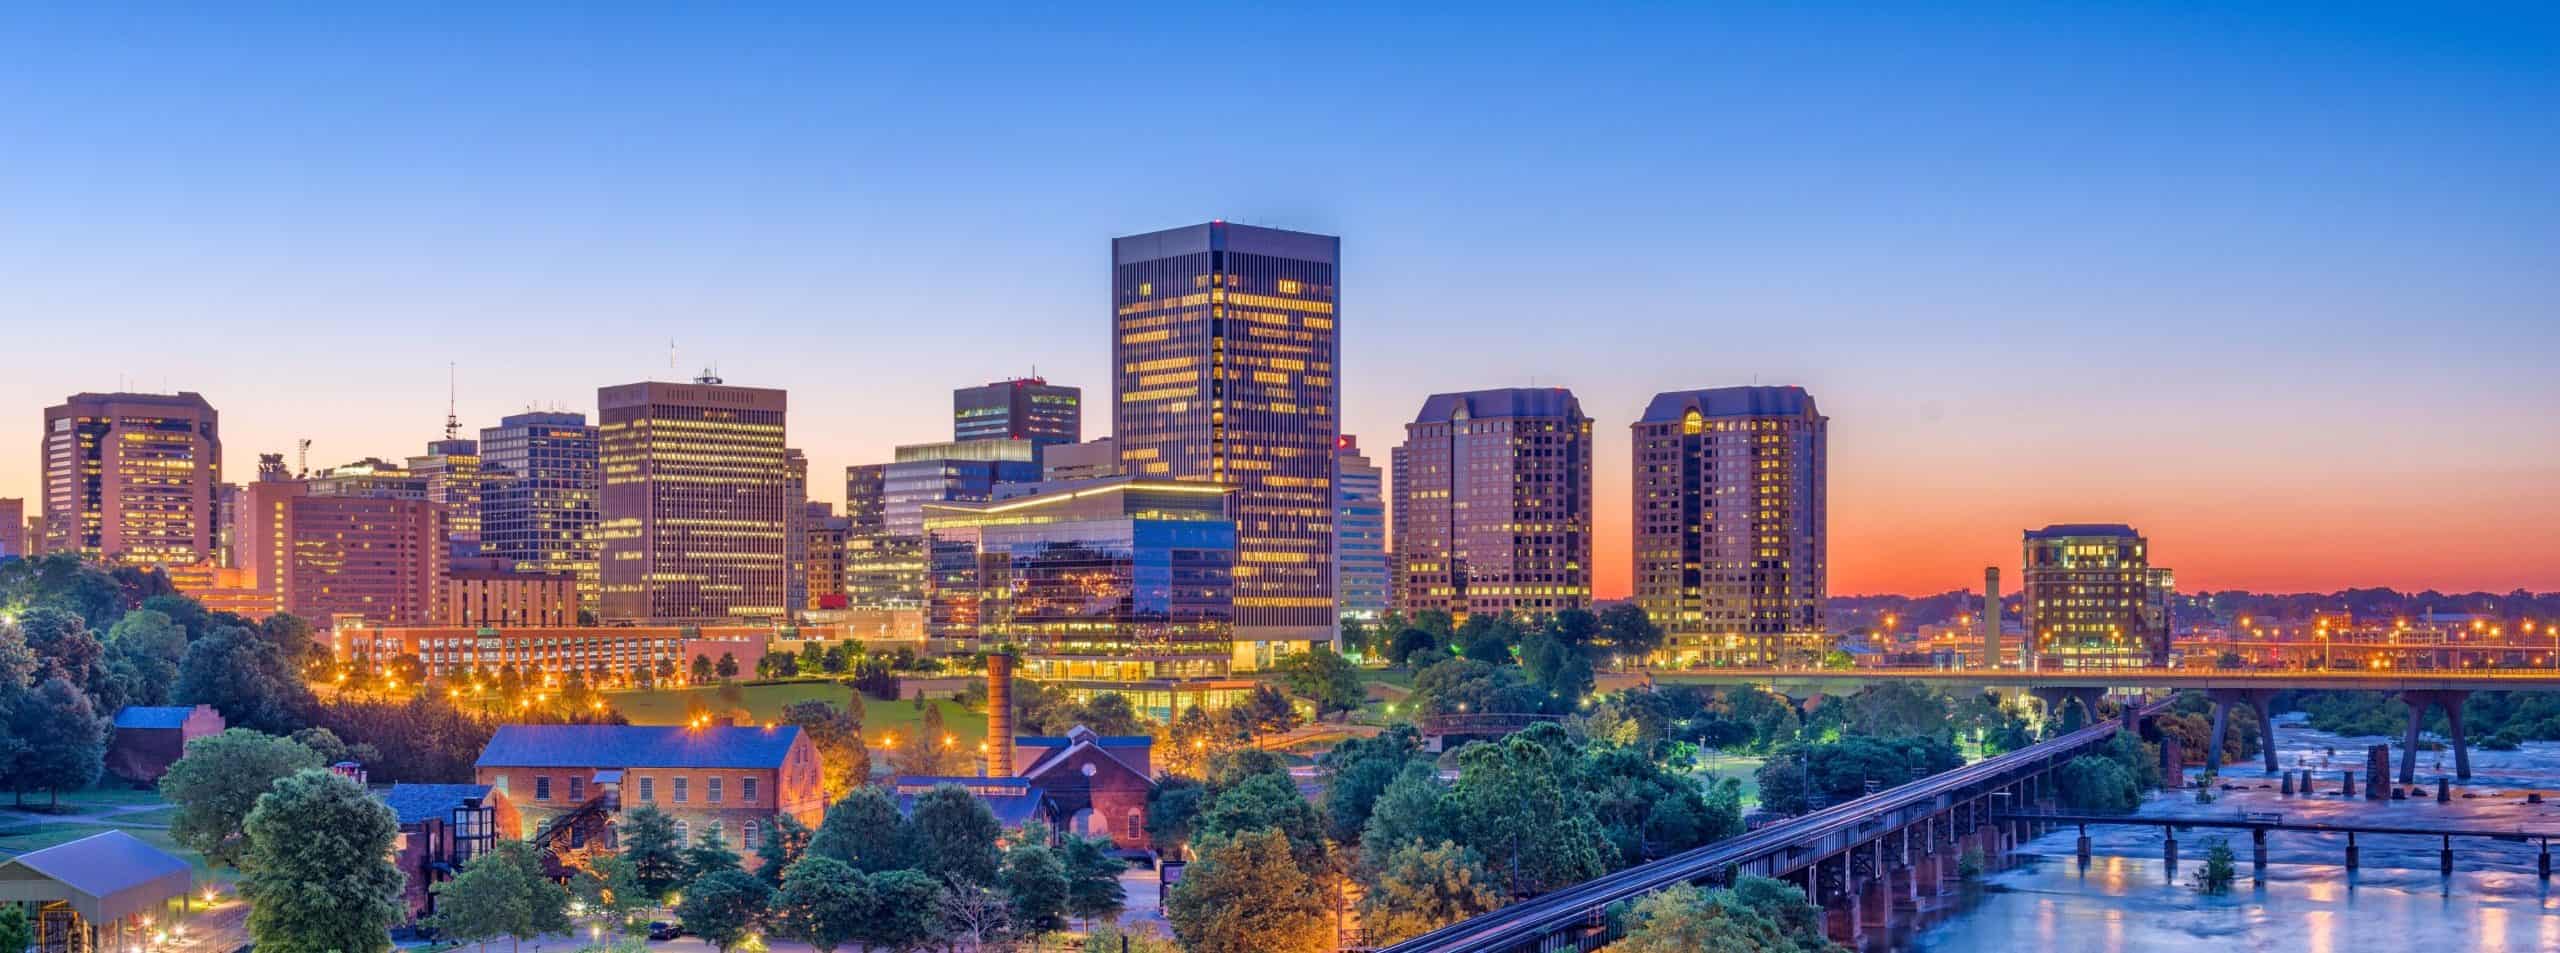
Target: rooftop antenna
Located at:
point(671, 355)
point(452, 423)
point(302, 459)
point(710, 375)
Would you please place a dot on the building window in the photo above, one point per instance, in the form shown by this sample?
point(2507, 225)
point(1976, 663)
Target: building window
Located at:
point(682, 789)
point(577, 789)
point(747, 790)
point(1131, 825)
point(684, 832)
point(542, 787)
point(648, 790)
point(747, 833)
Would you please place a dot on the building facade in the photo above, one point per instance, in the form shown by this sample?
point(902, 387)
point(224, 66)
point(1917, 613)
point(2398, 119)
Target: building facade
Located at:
point(695, 507)
point(488, 596)
point(325, 550)
point(1361, 579)
point(1026, 408)
point(451, 470)
point(1090, 460)
point(614, 655)
point(1125, 582)
point(823, 565)
point(1224, 350)
point(132, 477)
point(1493, 504)
point(732, 781)
point(1730, 536)
point(2093, 599)
point(539, 483)
point(13, 528)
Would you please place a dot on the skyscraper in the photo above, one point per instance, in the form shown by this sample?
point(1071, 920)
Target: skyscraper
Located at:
point(795, 538)
point(2093, 599)
point(1730, 522)
point(451, 469)
point(1026, 408)
point(1493, 504)
point(1224, 354)
point(322, 547)
point(539, 484)
point(695, 505)
point(13, 527)
point(1360, 576)
point(131, 477)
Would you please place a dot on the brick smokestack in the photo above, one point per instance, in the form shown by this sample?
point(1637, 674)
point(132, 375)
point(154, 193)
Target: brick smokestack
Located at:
point(1991, 617)
point(999, 716)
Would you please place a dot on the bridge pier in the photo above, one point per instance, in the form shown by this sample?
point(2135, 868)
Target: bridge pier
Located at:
point(2258, 849)
point(2351, 850)
point(2059, 700)
point(2258, 700)
point(2451, 702)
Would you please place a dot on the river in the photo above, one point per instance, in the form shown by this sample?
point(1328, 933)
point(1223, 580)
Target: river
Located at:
point(2127, 901)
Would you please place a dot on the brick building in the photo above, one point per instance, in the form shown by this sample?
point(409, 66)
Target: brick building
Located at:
point(732, 780)
point(482, 596)
point(443, 826)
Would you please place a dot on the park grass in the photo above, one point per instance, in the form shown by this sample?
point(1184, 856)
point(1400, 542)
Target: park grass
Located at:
point(667, 706)
point(1715, 766)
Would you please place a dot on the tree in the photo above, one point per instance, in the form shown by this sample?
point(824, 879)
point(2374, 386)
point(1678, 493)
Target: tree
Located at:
point(62, 739)
point(1265, 802)
point(785, 840)
point(709, 854)
point(957, 834)
point(1420, 889)
point(837, 734)
point(865, 831)
point(933, 752)
point(1412, 810)
point(657, 861)
point(1271, 711)
point(15, 932)
point(723, 907)
point(2219, 870)
point(1035, 885)
point(1629, 632)
point(218, 782)
point(62, 643)
point(1511, 804)
point(1561, 670)
point(1757, 915)
point(728, 666)
point(1248, 895)
point(612, 891)
point(1094, 893)
point(1357, 771)
point(143, 651)
point(1898, 709)
point(823, 903)
point(247, 679)
point(294, 637)
point(702, 668)
point(1842, 770)
point(1323, 677)
point(332, 749)
point(320, 876)
point(973, 915)
point(1173, 805)
point(502, 892)
point(2093, 783)
point(906, 910)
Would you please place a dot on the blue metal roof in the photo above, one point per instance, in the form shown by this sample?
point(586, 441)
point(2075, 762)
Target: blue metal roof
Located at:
point(1503, 402)
point(153, 716)
point(2066, 530)
point(637, 746)
point(1670, 406)
point(1020, 804)
point(422, 802)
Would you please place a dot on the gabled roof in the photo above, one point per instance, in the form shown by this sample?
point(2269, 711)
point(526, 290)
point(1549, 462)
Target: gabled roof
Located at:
point(1057, 758)
point(1670, 406)
point(113, 874)
point(638, 746)
point(154, 716)
point(425, 802)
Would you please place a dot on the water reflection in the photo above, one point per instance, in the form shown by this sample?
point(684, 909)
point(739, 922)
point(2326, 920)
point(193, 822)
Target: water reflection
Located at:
point(2127, 899)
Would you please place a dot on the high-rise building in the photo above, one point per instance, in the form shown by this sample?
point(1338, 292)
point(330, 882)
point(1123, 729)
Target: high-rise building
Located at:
point(696, 506)
point(13, 527)
point(1493, 504)
point(825, 565)
point(1360, 574)
point(957, 472)
point(1121, 584)
point(2093, 599)
point(322, 549)
point(795, 531)
point(539, 483)
point(866, 497)
point(451, 470)
point(131, 477)
point(1224, 351)
point(1730, 525)
point(1026, 408)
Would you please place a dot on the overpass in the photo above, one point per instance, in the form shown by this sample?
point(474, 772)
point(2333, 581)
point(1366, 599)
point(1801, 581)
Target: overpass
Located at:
point(2421, 689)
point(1884, 844)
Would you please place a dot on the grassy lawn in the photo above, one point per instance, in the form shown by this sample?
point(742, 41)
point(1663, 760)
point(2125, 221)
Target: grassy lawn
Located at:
point(1744, 768)
point(667, 706)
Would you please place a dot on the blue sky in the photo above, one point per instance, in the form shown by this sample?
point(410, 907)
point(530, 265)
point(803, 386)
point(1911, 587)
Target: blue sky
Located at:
point(2277, 283)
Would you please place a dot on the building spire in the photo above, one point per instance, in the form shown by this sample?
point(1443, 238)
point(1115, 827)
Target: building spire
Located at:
point(452, 422)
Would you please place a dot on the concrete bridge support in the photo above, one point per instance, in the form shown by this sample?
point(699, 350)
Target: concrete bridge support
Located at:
point(2257, 699)
point(2058, 699)
point(2418, 703)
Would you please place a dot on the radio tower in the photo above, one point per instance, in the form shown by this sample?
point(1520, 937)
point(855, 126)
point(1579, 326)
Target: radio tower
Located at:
point(452, 423)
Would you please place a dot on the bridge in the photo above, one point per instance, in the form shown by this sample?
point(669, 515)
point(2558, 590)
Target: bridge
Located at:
point(2258, 825)
point(2421, 689)
point(1879, 848)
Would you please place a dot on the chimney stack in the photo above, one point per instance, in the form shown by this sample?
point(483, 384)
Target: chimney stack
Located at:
point(1991, 617)
point(999, 716)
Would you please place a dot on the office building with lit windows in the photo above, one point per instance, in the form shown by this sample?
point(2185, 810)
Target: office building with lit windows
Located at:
point(1224, 357)
point(13, 527)
point(451, 471)
point(347, 548)
point(1122, 584)
point(823, 563)
point(1493, 504)
point(1027, 408)
point(2093, 599)
point(1730, 522)
point(695, 505)
point(132, 477)
point(538, 495)
point(1361, 579)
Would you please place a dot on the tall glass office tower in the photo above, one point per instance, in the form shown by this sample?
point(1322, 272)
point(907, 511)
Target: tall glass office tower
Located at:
point(1224, 355)
point(696, 503)
point(1731, 522)
point(538, 495)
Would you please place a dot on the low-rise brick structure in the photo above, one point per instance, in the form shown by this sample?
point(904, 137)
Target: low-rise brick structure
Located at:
point(734, 780)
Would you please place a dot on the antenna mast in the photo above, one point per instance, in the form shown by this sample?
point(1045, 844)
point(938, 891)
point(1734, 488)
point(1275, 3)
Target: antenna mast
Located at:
point(452, 423)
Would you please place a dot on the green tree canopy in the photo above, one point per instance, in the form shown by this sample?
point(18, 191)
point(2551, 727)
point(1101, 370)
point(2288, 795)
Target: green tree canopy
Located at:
point(823, 902)
point(866, 831)
point(958, 835)
point(723, 907)
point(1247, 894)
point(320, 877)
point(218, 783)
point(648, 838)
point(1418, 889)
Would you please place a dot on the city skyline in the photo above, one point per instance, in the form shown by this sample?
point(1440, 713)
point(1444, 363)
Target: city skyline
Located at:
point(2297, 333)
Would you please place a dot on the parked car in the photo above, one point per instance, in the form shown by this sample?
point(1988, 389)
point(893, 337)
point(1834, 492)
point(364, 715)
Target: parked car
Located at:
point(663, 930)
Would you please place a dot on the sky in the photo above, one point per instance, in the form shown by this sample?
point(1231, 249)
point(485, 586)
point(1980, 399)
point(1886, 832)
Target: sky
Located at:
point(2279, 285)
